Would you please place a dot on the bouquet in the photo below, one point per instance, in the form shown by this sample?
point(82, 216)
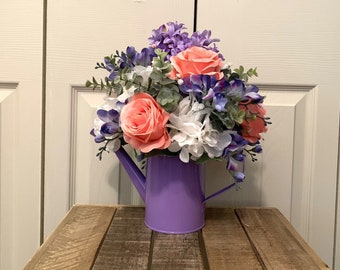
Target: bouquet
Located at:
point(178, 96)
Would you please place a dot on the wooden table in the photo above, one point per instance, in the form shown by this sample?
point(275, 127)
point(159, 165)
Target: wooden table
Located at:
point(115, 237)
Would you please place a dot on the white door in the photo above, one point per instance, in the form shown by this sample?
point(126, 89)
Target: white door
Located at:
point(21, 42)
point(80, 34)
point(293, 44)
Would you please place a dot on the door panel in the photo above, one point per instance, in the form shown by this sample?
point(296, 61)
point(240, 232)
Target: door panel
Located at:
point(295, 48)
point(87, 171)
point(78, 37)
point(20, 130)
point(275, 180)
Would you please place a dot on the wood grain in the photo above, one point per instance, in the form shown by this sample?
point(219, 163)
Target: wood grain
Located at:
point(127, 243)
point(75, 242)
point(275, 241)
point(226, 243)
point(184, 251)
point(102, 238)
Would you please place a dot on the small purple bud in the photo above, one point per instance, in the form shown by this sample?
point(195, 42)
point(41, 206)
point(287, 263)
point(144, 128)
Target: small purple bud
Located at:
point(99, 138)
point(232, 165)
point(239, 177)
point(257, 149)
point(239, 157)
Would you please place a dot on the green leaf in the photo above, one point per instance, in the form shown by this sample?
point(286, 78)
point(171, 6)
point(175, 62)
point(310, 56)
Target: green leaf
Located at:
point(168, 98)
point(138, 79)
point(240, 116)
point(88, 83)
point(128, 85)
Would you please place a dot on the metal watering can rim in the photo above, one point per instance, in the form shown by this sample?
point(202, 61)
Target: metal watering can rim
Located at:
point(139, 179)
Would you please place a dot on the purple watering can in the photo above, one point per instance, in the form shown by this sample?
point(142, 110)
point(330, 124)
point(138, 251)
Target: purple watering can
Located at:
point(173, 192)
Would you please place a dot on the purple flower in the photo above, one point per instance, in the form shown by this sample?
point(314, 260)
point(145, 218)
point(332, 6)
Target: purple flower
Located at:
point(110, 68)
point(236, 89)
point(133, 58)
point(238, 143)
point(219, 102)
point(145, 57)
point(239, 177)
point(257, 149)
point(232, 165)
point(107, 125)
point(108, 116)
point(98, 138)
point(203, 40)
point(239, 156)
point(252, 93)
point(170, 38)
point(109, 128)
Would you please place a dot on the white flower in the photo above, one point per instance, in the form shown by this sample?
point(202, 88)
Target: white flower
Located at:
point(113, 145)
point(144, 72)
point(109, 103)
point(215, 142)
point(97, 124)
point(192, 133)
point(127, 93)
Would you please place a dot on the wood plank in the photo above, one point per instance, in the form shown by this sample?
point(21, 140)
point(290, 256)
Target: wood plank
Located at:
point(183, 251)
point(276, 242)
point(76, 240)
point(226, 243)
point(127, 242)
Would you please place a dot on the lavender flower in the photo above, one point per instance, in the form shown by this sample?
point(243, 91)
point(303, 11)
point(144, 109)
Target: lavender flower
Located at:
point(106, 124)
point(203, 40)
point(170, 38)
point(132, 58)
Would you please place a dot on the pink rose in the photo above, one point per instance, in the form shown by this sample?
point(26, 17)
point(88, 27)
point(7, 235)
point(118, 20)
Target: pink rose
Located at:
point(196, 60)
point(251, 128)
point(143, 123)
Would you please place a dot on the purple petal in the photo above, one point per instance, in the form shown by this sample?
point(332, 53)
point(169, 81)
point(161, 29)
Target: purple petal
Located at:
point(209, 95)
point(109, 128)
point(220, 101)
point(252, 88)
point(254, 95)
point(108, 116)
point(237, 88)
point(239, 177)
point(232, 165)
point(99, 138)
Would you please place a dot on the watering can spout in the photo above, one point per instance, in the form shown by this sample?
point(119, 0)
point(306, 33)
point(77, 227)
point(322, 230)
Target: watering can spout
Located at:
point(135, 174)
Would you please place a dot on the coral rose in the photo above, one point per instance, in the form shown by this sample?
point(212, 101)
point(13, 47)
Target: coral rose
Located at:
point(251, 128)
point(143, 123)
point(194, 61)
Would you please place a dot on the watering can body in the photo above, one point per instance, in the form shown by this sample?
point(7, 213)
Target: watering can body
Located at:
point(174, 195)
point(173, 192)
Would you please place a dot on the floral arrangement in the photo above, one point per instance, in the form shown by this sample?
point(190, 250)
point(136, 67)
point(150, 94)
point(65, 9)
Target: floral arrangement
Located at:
point(179, 97)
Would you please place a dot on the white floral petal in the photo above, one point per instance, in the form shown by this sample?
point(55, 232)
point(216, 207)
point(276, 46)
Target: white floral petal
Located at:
point(179, 137)
point(174, 147)
point(184, 155)
point(114, 145)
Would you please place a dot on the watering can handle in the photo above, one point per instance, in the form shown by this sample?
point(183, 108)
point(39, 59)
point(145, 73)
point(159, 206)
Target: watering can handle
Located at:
point(219, 192)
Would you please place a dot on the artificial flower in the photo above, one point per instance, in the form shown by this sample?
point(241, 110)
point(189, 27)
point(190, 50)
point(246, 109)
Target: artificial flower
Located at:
point(143, 123)
point(196, 60)
point(254, 124)
point(178, 96)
